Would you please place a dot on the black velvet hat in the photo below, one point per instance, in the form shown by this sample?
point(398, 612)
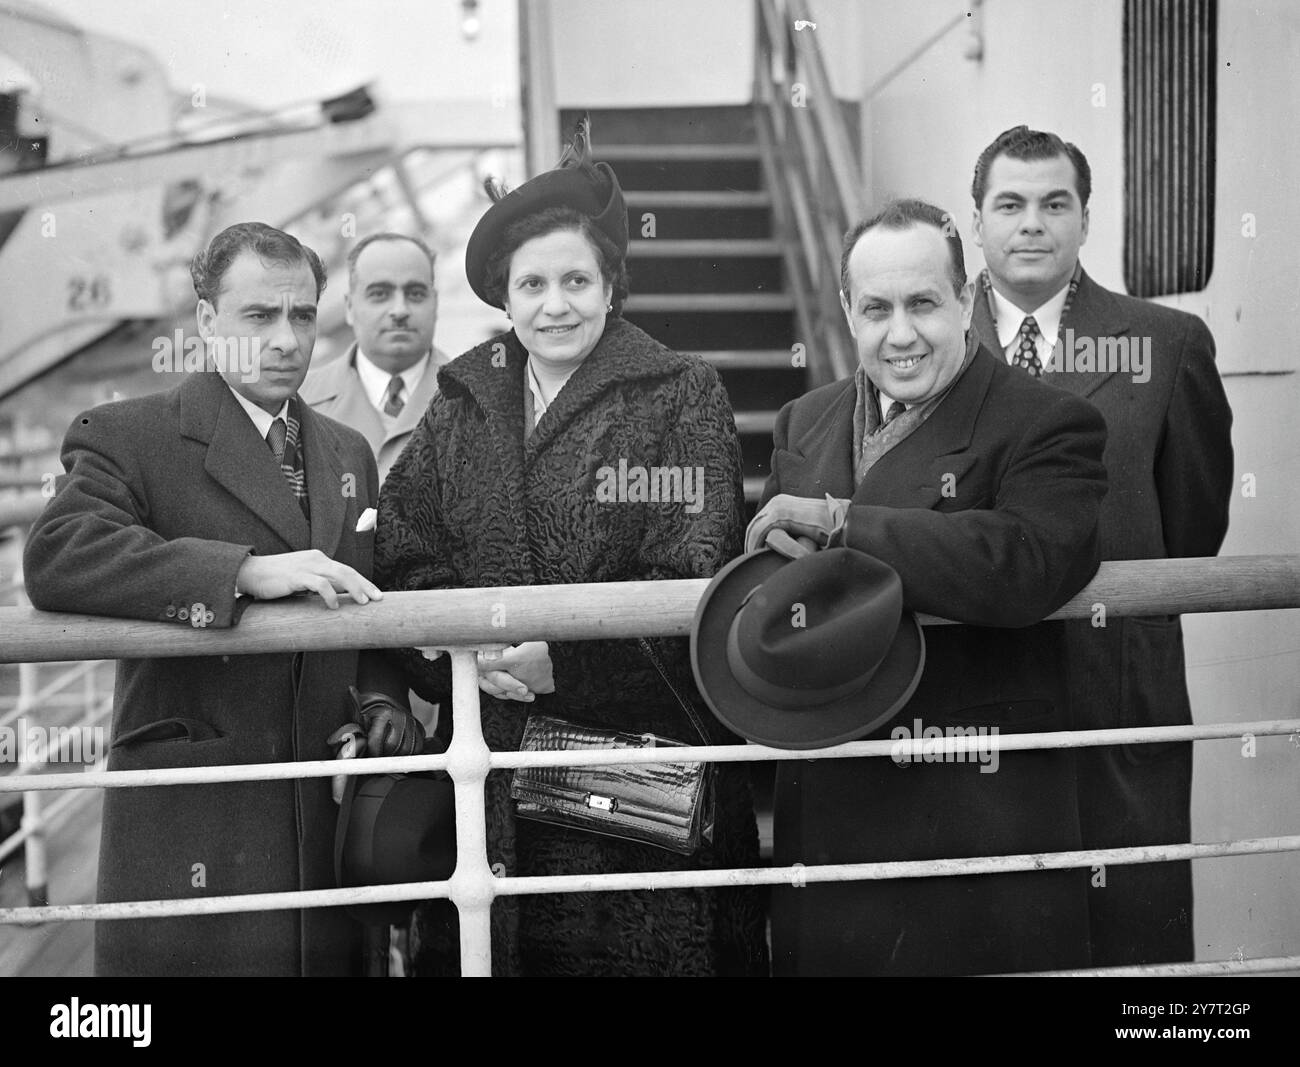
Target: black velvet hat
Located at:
point(806, 653)
point(589, 188)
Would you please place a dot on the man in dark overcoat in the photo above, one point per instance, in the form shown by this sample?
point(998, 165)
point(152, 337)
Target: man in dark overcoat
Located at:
point(981, 488)
point(1150, 371)
point(181, 508)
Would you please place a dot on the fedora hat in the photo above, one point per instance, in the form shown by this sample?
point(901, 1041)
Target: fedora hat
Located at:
point(806, 653)
point(394, 828)
point(575, 182)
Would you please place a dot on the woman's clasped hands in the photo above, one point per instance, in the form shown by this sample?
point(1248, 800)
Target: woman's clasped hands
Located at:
point(517, 672)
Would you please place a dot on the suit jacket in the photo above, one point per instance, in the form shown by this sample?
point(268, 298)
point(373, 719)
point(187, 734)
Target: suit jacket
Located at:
point(1170, 468)
point(163, 499)
point(988, 512)
point(335, 390)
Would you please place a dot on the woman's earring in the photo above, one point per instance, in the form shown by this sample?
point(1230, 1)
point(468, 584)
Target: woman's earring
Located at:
point(609, 306)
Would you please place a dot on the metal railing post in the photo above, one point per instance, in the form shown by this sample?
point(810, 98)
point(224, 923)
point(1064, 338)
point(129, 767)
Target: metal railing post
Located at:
point(472, 883)
point(38, 887)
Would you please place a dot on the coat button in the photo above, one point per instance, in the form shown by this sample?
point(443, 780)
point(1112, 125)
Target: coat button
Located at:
point(183, 614)
point(171, 611)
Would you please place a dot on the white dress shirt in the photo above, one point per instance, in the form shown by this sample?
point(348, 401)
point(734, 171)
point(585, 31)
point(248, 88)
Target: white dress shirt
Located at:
point(1048, 317)
point(374, 380)
point(261, 418)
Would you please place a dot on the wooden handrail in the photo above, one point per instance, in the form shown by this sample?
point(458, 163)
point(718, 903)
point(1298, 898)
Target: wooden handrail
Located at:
point(459, 617)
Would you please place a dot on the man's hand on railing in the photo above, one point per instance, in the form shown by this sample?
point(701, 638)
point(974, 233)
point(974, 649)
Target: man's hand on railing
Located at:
point(517, 673)
point(310, 571)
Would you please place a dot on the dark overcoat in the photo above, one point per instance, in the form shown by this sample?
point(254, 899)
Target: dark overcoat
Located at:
point(163, 499)
point(988, 511)
point(1169, 464)
point(471, 503)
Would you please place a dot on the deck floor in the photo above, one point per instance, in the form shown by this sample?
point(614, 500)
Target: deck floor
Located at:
point(55, 950)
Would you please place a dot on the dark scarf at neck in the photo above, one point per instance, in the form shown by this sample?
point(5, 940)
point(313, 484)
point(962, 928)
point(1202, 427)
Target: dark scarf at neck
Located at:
point(872, 439)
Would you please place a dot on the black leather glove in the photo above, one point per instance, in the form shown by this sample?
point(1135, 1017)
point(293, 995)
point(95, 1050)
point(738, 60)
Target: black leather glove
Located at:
point(387, 728)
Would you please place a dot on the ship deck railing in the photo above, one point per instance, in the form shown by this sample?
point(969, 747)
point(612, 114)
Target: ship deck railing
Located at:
point(463, 622)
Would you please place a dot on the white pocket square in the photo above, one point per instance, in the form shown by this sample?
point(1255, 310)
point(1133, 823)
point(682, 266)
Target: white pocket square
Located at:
point(367, 520)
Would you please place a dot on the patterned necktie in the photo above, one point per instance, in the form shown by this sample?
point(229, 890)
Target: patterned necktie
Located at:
point(896, 408)
point(275, 437)
point(393, 402)
point(283, 439)
point(1026, 354)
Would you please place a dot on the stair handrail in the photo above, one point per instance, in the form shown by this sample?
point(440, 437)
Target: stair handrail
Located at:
point(813, 174)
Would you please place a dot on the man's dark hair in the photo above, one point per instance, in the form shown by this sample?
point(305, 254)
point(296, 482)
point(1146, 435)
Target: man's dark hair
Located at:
point(266, 242)
point(613, 265)
point(903, 215)
point(370, 239)
point(1022, 143)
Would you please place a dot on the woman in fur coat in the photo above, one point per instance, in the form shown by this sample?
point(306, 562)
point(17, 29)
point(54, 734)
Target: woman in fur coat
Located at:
point(534, 466)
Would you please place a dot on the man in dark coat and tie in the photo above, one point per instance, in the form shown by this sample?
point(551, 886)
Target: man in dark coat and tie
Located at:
point(1150, 371)
point(982, 492)
point(181, 508)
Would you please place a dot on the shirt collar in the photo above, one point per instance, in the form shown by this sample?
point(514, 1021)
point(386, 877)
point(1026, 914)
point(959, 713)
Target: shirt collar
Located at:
point(374, 380)
point(1047, 315)
point(261, 419)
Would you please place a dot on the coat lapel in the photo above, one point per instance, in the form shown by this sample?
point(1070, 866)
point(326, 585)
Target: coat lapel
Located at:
point(326, 484)
point(1093, 313)
point(821, 461)
point(339, 389)
point(238, 459)
point(493, 376)
point(911, 475)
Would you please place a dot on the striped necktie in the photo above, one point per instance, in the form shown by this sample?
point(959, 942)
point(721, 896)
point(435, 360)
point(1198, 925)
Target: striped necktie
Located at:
point(283, 440)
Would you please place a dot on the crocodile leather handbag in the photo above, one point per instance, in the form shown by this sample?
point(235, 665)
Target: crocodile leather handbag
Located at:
point(665, 804)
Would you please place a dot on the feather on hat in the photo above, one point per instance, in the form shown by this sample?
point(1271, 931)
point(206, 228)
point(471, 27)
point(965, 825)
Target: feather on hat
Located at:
point(574, 182)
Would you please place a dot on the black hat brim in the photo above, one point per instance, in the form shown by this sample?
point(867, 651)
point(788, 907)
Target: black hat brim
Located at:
point(817, 726)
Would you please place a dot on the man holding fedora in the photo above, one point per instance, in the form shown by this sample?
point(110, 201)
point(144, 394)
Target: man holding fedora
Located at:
point(979, 489)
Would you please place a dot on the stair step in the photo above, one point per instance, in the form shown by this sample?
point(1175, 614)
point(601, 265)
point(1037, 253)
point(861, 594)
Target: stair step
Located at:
point(754, 487)
point(706, 249)
point(755, 421)
point(669, 125)
point(749, 359)
point(680, 198)
point(649, 303)
point(677, 152)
